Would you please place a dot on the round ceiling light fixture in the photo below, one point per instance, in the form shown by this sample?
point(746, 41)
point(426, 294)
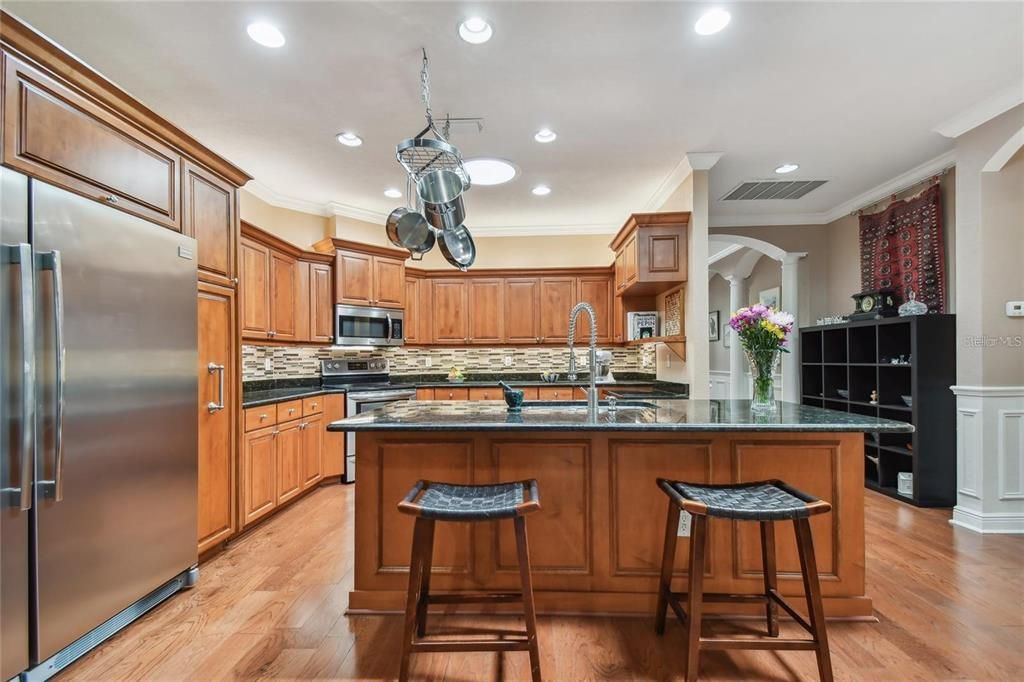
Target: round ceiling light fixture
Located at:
point(392, 193)
point(475, 30)
point(545, 135)
point(712, 21)
point(787, 168)
point(487, 171)
point(349, 139)
point(541, 190)
point(266, 34)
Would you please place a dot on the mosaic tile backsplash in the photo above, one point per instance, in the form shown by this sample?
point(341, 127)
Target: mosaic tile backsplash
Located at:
point(290, 362)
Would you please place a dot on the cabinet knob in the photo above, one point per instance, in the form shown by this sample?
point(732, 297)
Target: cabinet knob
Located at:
point(291, 410)
point(313, 405)
point(262, 417)
point(274, 433)
point(234, 280)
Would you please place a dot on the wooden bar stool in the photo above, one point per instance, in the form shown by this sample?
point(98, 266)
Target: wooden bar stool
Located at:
point(430, 502)
point(763, 501)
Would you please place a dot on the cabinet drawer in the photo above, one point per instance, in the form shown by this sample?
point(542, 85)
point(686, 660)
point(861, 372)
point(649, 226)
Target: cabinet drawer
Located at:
point(288, 411)
point(314, 405)
point(487, 393)
point(451, 394)
point(554, 392)
point(258, 417)
point(56, 134)
point(424, 394)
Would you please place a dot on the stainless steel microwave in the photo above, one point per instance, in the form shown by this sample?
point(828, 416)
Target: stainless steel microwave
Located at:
point(359, 326)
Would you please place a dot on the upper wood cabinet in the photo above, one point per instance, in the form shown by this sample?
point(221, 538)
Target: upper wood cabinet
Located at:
point(417, 310)
point(388, 282)
point(651, 253)
point(369, 280)
point(450, 313)
point(597, 291)
point(209, 215)
point(557, 297)
point(287, 294)
point(522, 310)
point(486, 298)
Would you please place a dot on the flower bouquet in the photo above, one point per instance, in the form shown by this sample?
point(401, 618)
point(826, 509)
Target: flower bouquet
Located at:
point(762, 332)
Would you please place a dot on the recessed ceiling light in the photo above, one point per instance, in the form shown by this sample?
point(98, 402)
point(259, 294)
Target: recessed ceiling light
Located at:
point(392, 193)
point(541, 190)
point(787, 168)
point(265, 34)
point(545, 135)
point(712, 21)
point(489, 171)
point(475, 30)
point(349, 139)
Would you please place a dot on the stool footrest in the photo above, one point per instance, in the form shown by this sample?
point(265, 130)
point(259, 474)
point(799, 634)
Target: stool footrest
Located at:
point(801, 621)
point(476, 598)
point(766, 643)
point(518, 644)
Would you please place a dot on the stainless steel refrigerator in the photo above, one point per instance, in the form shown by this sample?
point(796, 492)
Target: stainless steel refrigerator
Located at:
point(98, 416)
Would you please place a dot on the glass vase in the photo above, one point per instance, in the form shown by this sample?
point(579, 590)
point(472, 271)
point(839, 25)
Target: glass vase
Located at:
point(762, 368)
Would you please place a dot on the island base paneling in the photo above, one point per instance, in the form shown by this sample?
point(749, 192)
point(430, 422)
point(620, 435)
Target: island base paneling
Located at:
point(598, 537)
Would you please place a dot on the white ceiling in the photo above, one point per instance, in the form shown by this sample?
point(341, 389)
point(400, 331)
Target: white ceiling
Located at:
point(851, 92)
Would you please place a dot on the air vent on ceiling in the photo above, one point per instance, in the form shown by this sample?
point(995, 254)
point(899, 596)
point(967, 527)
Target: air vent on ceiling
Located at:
point(773, 189)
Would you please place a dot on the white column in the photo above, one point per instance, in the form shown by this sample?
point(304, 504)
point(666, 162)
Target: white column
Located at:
point(737, 363)
point(791, 304)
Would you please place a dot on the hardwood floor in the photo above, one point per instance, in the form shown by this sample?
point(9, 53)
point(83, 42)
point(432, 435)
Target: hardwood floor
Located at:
point(949, 606)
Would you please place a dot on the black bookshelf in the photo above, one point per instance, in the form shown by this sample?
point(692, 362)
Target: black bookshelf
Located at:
point(856, 357)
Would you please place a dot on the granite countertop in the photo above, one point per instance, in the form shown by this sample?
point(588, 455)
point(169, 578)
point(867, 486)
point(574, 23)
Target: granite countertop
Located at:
point(632, 415)
point(256, 393)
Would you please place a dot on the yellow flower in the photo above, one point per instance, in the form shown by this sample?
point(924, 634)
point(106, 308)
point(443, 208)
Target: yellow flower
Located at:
point(773, 328)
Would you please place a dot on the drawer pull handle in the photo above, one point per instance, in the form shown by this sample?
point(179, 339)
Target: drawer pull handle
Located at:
point(263, 416)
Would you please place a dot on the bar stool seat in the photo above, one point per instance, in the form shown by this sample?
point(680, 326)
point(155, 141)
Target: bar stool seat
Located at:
point(430, 502)
point(762, 501)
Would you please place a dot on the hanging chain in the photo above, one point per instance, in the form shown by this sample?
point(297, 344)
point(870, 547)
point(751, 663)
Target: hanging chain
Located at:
point(425, 89)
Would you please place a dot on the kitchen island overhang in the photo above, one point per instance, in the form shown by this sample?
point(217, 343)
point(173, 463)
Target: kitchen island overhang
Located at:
point(597, 540)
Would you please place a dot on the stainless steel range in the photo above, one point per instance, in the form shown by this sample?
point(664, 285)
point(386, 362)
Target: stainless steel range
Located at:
point(367, 385)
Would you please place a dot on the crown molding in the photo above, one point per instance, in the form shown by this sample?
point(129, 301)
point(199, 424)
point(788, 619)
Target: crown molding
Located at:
point(261, 191)
point(544, 230)
point(700, 161)
point(982, 112)
point(669, 185)
point(356, 213)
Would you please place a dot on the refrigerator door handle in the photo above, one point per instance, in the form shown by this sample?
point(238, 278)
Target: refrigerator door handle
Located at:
point(51, 261)
point(219, 405)
point(21, 255)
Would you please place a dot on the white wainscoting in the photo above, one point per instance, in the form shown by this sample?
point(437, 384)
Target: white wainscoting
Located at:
point(990, 458)
point(719, 384)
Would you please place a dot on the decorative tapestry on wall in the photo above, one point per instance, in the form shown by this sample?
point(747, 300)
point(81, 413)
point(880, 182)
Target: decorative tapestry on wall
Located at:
point(901, 248)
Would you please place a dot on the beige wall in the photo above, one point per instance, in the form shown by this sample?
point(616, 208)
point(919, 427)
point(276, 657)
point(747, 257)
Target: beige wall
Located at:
point(682, 198)
point(301, 229)
point(767, 274)
point(718, 299)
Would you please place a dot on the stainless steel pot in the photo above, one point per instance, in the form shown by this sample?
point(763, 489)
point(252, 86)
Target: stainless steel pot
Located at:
point(458, 247)
point(441, 193)
point(409, 230)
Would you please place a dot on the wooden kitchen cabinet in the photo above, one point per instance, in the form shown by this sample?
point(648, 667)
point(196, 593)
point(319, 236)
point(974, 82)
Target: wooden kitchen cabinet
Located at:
point(255, 289)
point(289, 461)
point(486, 297)
point(555, 393)
point(217, 427)
point(209, 215)
point(557, 297)
point(450, 312)
point(522, 309)
point(333, 441)
point(283, 288)
point(651, 253)
point(369, 280)
point(486, 393)
point(455, 393)
point(321, 303)
point(597, 291)
point(259, 474)
point(417, 311)
point(312, 430)
point(424, 394)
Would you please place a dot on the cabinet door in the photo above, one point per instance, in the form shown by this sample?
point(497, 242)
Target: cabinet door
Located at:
point(255, 289)
point(301, 305)
point(618, 320)
point(353, 278)
point(321, 303)
point(208, 215)
point(289, 461)
point(629, 260)
point(597, 291)
point(217, 432)
point(312, 451)
point(620, 269)
point(449, 315)
point(486, 311)
point(54, 133)
point(259, 474)
point(388, 282)
point(334, 441)
point(414, 309)
point(522, 310)
point(424, 394)
point(283, 287)
point(557, 297)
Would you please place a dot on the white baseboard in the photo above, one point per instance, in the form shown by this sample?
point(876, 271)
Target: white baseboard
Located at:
point(1003, 523)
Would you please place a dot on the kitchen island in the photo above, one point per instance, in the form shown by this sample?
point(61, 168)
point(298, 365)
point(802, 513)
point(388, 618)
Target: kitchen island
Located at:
point(596, 543)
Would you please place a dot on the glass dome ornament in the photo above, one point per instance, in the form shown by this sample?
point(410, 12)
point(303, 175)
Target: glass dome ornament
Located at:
point(912, 306)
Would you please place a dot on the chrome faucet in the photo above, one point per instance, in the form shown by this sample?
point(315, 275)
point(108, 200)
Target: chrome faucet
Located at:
point(592, 359)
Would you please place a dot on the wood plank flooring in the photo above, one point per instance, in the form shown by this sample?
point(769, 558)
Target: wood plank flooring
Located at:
point(950, 606)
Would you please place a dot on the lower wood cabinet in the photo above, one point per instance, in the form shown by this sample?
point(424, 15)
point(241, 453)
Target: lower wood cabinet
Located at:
point(281, 461)
point(333, 458)
point(217, 428)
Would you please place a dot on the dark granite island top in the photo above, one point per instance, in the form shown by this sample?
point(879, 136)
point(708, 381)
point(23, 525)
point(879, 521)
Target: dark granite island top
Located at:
point(629, 415)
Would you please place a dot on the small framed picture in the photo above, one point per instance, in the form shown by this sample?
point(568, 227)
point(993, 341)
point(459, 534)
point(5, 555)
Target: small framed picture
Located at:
point(713, 320)
point(770, 297)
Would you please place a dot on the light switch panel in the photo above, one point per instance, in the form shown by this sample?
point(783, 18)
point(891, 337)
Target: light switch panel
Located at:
point(1015, 308)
